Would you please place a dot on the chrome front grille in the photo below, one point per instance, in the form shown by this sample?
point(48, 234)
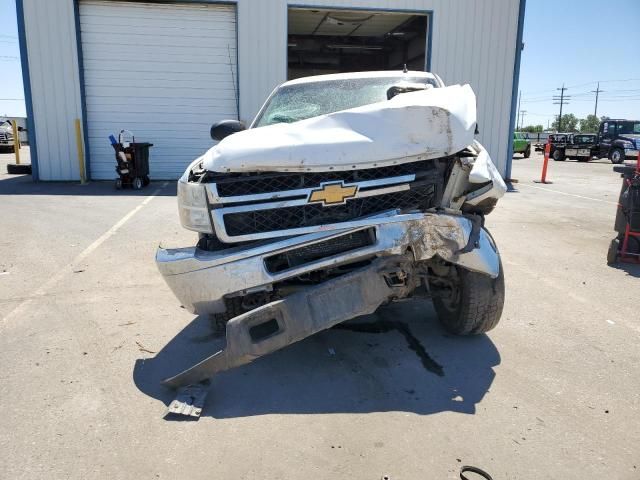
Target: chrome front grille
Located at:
point(258, 206)
point(253, 184)
point(287, 218)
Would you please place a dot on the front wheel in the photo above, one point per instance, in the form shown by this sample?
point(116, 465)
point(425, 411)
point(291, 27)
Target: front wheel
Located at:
point(616, 156)
point(475, 304)
point(558, 155)
point(612, 253)
point(527, 152)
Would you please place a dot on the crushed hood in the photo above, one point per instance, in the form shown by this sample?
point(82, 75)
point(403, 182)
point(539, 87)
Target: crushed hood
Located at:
point(411, 126)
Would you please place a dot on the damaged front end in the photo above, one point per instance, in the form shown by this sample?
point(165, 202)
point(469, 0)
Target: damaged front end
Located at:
point(390, 264)
point(292, 244)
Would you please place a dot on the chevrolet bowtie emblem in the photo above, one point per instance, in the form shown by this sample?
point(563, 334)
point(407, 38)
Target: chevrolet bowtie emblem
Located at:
point(333, 193)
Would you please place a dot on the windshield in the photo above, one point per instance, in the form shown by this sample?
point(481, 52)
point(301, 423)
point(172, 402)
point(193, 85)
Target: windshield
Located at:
point(630, 127)
point(293, 103)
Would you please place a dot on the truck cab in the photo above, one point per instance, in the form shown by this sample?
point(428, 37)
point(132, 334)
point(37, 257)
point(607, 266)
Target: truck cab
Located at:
point(618, 139)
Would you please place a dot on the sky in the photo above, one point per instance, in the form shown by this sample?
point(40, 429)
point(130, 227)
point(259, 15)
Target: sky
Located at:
point(575, 42)
point(579, 43)
point(11, 91)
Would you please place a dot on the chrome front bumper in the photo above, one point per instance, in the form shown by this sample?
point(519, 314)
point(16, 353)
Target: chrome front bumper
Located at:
point(631, 153)
point(201, 279)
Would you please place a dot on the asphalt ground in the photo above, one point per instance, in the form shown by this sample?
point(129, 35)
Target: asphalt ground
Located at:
point(88, 328)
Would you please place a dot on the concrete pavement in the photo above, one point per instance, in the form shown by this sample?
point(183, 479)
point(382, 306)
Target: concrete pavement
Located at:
point(552, 392)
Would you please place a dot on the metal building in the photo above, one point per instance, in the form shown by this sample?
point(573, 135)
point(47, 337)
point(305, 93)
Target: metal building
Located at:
point(167, 70)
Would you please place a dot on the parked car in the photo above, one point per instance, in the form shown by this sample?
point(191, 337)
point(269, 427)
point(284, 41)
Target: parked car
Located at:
point(6, 136)
point(347, 192)
point(521, 144)
point(618, 139)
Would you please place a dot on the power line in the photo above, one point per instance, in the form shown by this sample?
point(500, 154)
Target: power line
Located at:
point(605, 81)
point(584, 84)
point(581, 94)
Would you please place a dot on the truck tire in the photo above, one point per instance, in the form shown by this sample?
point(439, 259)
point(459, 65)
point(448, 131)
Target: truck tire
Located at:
point(527, 152)
point(558, 155)
point(616, 155)
point(15, 169)
point(478, 305)
point(612, 253)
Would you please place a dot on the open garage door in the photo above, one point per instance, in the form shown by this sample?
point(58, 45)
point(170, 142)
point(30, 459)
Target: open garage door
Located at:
point(334, 41)
point(166, 72)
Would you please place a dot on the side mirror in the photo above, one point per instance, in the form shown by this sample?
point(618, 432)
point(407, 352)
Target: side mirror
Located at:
point(224, 128)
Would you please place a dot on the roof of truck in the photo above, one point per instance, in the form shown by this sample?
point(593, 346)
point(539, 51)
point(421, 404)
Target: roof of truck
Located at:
point(346, 76)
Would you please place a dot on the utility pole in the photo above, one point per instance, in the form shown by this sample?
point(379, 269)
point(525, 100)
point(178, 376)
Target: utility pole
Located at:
point(561, 100)
point(596, 91)
point(522, 114)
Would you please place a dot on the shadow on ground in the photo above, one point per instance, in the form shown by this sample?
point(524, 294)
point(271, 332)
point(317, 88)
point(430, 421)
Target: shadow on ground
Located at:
point(24, 185)
point(345, 370)
point(631, 269)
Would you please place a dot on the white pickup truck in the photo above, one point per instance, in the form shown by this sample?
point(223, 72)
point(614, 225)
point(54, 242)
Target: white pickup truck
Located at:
point(347, 192)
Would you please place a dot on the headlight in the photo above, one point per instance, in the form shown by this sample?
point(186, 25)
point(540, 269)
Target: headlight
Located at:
point(627, 144)
point(192, 206)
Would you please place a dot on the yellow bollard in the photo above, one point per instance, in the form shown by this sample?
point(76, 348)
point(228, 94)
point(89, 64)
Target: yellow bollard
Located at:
point(80, 143)
point(16, 141)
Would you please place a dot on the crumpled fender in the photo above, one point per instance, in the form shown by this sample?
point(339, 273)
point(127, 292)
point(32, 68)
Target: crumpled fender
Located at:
point(484, 171)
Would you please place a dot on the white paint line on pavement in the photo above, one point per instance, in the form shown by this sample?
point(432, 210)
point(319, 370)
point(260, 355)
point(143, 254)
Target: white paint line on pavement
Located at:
point(42, 290)
point(565, 193)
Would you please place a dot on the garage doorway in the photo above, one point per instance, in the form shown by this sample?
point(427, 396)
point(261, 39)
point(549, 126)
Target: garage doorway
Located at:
point(322, 41)
point(165, 71)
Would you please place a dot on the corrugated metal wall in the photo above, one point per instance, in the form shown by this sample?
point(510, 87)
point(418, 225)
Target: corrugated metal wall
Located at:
point(55, 85)
point(473, 42)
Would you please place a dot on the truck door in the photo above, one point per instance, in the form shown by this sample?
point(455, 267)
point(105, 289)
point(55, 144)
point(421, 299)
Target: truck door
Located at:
point(517, 143)
point(605, 135)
